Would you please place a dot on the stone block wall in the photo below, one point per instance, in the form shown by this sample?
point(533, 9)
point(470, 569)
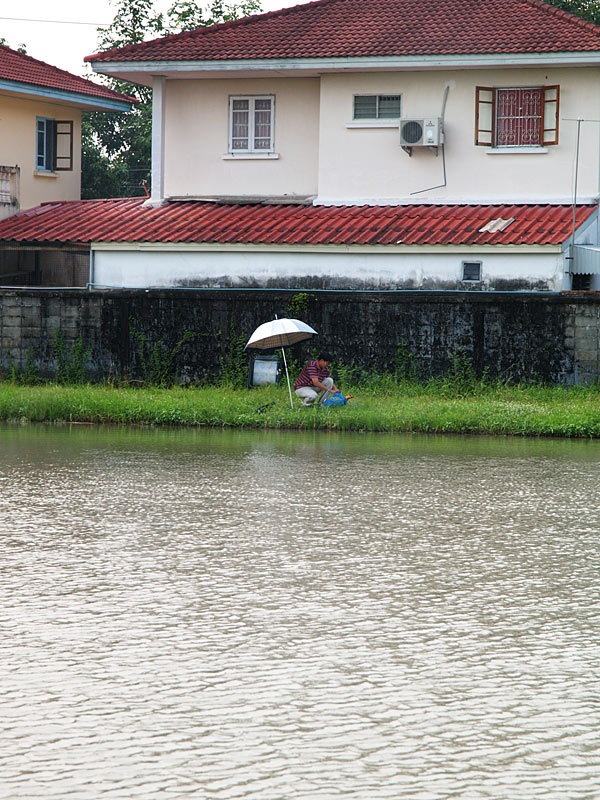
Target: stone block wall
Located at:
point(522, 336)
point(583, 336)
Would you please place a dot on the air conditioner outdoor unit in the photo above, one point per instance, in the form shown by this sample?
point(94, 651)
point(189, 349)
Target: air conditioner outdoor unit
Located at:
point(423, 132)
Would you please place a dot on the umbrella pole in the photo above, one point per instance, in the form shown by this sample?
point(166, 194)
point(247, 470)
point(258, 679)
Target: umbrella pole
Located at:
point(287, 375)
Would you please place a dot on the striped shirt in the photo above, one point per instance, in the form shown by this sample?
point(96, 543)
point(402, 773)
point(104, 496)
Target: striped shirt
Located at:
point(309, 371)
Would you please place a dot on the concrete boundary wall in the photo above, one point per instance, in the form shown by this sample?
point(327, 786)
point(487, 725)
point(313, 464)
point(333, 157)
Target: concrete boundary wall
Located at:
point(550, 336)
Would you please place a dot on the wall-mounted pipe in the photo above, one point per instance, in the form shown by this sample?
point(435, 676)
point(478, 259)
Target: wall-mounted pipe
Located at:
point(443, 146)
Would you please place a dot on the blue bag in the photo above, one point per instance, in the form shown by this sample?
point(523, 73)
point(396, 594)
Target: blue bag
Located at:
point(336, 399)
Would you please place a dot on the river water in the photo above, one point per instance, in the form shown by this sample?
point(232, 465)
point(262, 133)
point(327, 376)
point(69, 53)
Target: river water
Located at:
point(285, 616)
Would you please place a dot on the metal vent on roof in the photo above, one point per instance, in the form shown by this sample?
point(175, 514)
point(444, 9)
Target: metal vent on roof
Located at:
point(496, 225)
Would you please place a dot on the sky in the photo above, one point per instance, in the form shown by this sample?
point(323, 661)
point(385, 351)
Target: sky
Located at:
point(62, 32)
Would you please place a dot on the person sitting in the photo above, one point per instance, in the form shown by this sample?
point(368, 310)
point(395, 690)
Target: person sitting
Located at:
point(314, 380)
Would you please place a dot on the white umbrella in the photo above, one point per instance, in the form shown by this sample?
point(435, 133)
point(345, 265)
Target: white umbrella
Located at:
point(280, 333)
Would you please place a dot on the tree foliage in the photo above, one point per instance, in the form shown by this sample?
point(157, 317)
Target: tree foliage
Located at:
point(586, 9)
point(20, 48)
point(116, 148)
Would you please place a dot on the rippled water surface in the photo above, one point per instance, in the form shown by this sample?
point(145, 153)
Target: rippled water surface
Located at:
point(261, 615)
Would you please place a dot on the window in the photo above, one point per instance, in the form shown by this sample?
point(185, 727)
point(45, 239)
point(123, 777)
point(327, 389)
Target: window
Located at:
point(44, 158)
point(251, 124)
point(581, 283)
point(376, 106)
point(471, 271)
point(54, 145)
point(516, 117)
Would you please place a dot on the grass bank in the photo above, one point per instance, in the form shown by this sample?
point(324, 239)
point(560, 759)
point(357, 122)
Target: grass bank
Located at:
point(504, 410)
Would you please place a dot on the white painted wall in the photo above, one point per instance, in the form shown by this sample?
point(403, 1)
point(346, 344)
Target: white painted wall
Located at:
point(319, 154)
point(382, 268)
point(369, 163)
point(196, 139)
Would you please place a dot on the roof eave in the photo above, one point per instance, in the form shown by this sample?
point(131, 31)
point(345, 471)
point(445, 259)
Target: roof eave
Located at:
point(233, 247)
point(90, 102)
point(317, 66)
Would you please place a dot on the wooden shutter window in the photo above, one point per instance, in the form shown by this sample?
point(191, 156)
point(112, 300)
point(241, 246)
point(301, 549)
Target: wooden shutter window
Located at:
point(485, 116)
point(535, 123)
point(550, 109)
point(63, 145)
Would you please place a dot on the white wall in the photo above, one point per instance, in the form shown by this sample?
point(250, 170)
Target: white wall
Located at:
point(369, 163)
point(353, 268)
point(196, 139)
point(319, 154)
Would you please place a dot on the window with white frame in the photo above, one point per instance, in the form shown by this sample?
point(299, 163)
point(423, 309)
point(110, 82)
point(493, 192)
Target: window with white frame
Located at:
point(376, 106)
point(53, 145)
point(516, 117)
point(251, 125)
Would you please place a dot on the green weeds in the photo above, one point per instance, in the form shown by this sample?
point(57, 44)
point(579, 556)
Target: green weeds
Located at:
point(24, 376)
point(297, 308)
point(71, 363)
point(519, 411)
point(234, 367)
point(459, 402)
point(160, 363)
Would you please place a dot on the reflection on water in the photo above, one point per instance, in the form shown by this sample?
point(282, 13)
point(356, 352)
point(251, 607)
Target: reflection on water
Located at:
point(272, 615)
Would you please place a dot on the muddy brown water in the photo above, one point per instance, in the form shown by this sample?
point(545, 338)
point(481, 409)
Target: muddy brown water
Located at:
point(281, 615)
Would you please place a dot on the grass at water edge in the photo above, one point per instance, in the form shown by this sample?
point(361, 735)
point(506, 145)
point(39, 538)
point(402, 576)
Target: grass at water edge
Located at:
point(520, 411)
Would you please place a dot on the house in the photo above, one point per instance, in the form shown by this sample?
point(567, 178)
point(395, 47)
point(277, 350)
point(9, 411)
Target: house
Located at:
point(40, 149)
point(40, 129)
point(366, 144)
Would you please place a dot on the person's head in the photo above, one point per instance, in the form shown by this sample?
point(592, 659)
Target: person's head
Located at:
point(325, 358)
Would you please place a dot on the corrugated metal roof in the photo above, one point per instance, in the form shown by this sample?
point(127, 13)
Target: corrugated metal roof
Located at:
point(21, 68)
point(351, 28)
point(127, 220)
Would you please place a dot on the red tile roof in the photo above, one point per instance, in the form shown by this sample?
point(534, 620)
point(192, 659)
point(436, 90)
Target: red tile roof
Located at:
point(126, 220)
point(351, 28)
point(15, 66)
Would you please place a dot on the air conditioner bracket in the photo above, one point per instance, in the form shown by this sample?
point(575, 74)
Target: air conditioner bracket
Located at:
point(431, 147)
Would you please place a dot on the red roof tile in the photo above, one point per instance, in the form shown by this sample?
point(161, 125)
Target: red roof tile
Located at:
point(352, 28)
point(15, 66)
point(126, 220)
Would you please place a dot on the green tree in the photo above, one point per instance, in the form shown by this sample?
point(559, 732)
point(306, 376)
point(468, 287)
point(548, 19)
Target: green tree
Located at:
point(186, 15)
point(586, 9)
point(104, 177)
point(21, 48)
point(116, 148)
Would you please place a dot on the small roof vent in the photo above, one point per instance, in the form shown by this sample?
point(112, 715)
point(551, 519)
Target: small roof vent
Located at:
point(496, 225)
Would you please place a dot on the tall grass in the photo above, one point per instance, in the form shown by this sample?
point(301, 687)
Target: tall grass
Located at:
point(459, 402)
point(379, 404)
